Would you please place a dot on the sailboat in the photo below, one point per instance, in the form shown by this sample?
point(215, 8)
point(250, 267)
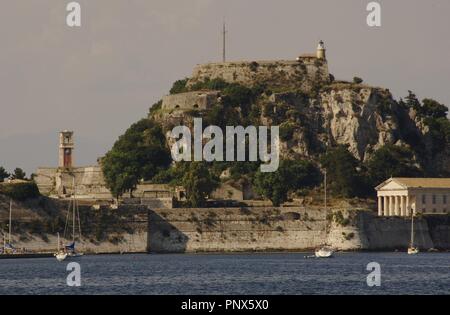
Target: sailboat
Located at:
point(60, 254)
point(8, 247)
point(324, 251)
point(74, 214)
point(412, 250)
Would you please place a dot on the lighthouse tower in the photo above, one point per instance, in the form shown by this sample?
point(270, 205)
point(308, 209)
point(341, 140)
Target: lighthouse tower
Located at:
point(320, 53)
point(66, 146)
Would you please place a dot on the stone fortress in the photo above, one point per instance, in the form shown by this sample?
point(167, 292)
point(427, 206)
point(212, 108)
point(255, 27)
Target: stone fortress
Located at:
point(59, 182)
point(300, 74)
point(351, 112)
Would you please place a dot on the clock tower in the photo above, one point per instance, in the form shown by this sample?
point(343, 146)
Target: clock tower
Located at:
point(66, 149)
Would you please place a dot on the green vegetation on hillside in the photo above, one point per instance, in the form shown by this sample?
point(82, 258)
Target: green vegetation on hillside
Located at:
point(139, 154)
point(3, 174)
point(290, 176)
point(142, 152)
point(20, 191)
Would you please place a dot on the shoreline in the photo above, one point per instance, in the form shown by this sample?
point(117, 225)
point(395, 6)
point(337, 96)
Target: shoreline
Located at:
point(306, 251)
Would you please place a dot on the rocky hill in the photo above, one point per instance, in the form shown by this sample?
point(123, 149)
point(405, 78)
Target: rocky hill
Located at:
point(312, 109)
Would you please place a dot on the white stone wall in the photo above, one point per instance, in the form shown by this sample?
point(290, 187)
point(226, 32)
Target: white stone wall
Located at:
point(282, 73)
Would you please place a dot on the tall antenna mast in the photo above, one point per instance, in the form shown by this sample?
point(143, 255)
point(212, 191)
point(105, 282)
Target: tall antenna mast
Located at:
point(224, 36)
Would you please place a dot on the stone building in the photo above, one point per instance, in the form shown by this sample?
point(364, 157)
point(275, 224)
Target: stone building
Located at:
point(59, 182)
point(402, 196)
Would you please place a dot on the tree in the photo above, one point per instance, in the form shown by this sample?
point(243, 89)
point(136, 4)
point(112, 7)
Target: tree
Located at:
point(391, 161)
point(199, 183)
point(342, 170)
point(434, 109)
point(290, 176)
point(411, 101)
point(18, 174)
point(179, 86)
point(138, 154)
point(357, 80)
point(3, 174)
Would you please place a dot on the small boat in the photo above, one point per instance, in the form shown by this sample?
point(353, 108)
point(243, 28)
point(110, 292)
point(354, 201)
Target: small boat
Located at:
point(73, 215)
point(8, 247)
point(60, 254)
point(412, 250)
point(71, 252)
point(324, 252)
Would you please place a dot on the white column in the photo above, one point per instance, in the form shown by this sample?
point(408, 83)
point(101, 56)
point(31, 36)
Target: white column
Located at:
point(385, 206)
point(402, 206)
point(408, 213)
point(380, 207)
point(391, 205)
point(395, 205)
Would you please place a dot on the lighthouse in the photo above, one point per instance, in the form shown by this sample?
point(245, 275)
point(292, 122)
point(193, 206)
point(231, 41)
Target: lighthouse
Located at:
point(320, 53)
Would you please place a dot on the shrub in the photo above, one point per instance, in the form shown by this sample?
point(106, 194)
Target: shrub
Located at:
point(254, 66)
point(287, 131)
point(179, 86)
point(20, 191)
point(357, 80)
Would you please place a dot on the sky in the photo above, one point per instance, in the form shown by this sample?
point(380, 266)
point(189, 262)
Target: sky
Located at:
point(101, 77)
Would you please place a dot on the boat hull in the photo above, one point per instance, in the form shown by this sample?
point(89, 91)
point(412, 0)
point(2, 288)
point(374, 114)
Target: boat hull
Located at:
point(413, 250)
point(60, 256)
point(323, 253)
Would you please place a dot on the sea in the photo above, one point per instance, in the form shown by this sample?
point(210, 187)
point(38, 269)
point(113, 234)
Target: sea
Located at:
point(360, 273)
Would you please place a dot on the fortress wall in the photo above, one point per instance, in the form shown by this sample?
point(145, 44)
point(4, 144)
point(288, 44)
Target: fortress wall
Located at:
point(289, 228)
point(45, 179)
point(302, 74)
point(88, 180)
point(249, 229)
point(198, 99)
point(235, 229)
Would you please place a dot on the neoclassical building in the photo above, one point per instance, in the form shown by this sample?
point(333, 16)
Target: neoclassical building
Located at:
point(399, 196)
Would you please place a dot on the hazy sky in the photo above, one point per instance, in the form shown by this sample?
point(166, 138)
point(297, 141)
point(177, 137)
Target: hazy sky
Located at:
point(100, 78)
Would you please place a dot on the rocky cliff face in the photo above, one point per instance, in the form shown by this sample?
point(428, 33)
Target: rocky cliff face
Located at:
point(313, 112)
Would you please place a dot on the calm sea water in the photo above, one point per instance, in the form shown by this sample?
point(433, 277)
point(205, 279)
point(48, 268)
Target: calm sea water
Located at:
point(281, 273)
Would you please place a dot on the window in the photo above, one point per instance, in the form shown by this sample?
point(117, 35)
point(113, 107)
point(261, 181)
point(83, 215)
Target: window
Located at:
point(434, 199)
point(424, 199)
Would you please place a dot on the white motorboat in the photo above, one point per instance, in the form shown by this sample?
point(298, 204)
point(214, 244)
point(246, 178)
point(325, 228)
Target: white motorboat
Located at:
point(324, 252)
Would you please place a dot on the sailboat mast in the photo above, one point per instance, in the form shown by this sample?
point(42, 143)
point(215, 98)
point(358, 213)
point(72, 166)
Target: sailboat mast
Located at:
point(412, 229)
point(10, 215)
point(73, 211)
point(325, 186)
